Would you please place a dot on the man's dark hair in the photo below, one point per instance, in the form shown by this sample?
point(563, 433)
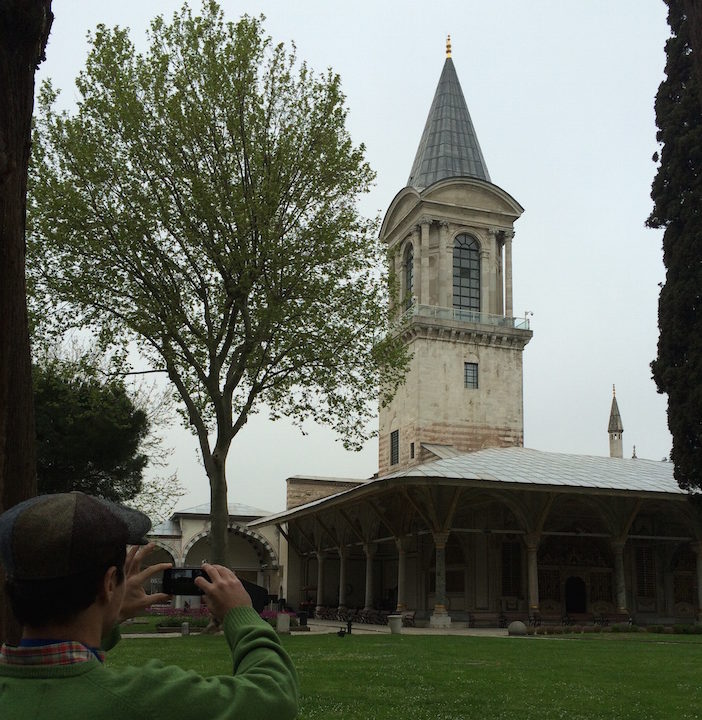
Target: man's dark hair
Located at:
point(36, 603)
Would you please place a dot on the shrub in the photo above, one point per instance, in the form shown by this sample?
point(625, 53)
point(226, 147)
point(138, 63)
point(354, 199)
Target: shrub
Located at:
point(170, 611)
point(175, 621)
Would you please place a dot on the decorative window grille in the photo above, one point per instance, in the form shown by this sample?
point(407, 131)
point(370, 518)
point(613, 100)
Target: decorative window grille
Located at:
point(645, 572)
point(466, 273)
point(470, 375)
point(409, 276)
point(394, 447)
point(601, 586)
point(549, 584)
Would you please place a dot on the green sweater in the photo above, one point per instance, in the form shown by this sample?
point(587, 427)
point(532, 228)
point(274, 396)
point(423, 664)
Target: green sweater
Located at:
point(264, 685)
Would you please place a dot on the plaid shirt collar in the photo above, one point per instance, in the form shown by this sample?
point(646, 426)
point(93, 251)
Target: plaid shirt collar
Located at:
point(49, 652)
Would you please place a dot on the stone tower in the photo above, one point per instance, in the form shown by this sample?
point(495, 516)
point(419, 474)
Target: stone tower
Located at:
point(615, 429)
point(449, 237)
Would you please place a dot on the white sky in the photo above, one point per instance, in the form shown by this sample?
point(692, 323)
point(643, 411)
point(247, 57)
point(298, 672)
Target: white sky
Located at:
point(561, 95)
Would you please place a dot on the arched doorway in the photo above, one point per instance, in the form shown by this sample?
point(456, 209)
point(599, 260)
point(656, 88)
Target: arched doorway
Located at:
point(575, 595)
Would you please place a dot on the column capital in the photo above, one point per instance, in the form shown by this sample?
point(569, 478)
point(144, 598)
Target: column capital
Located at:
point(402, 543)
point(343, 551)
point(440, 539)
point(618, 544)
point(370, 549)
point(321, 554)
point(532, 540)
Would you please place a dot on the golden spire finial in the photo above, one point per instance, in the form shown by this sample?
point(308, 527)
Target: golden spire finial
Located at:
point(448, 46)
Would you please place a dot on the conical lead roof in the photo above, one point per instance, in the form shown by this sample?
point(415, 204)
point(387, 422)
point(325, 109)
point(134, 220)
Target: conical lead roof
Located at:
point(449, 146)
point(615, 419)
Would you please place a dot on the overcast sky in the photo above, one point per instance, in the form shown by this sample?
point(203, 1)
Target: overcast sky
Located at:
point(561, 95)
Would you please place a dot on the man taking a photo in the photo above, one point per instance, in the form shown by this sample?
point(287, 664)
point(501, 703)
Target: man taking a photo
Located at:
point(71, 581)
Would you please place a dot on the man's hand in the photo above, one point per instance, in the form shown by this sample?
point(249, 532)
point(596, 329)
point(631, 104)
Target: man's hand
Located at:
point(223, 592)
point(135, 598)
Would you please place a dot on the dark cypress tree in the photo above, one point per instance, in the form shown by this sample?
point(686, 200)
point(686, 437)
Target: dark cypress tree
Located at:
point(677, 197)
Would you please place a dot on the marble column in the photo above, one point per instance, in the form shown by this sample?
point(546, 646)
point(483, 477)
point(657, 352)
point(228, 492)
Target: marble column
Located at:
point(416, 269)
point(422, 282)
point(485, 281)
point(697, 547)
point(532, 544)
point(619, 576)
point(509, 310)
point(320, 580)
point(402, 543)
point(440, 616)
point(343, 555)
point(445, 283)
point(369, 549)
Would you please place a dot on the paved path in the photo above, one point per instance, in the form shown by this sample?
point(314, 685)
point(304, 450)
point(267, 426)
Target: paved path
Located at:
point(317, 627)
point(458, 628)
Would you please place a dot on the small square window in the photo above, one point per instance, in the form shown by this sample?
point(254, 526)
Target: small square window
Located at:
point(394, 447)
point(470, 375)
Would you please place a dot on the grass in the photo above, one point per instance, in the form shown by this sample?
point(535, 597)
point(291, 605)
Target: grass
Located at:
point(389, 677)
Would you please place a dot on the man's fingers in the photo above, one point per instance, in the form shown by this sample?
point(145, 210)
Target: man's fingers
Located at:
point(157, 598)
point(152, 570)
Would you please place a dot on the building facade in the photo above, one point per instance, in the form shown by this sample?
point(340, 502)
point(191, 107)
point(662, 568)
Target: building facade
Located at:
point(461, 521)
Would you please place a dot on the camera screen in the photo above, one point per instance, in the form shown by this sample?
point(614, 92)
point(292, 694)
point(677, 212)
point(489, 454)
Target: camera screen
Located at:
point(181, 581)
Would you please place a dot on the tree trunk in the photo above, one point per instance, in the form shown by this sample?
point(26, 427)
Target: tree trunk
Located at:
point(24, 30)
point(219, 510)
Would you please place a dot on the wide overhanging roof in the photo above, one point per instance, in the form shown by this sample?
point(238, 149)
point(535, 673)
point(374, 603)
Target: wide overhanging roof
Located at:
point(516, 469)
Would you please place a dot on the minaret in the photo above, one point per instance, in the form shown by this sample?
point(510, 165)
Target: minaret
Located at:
point(449, 238)
point(615, 429)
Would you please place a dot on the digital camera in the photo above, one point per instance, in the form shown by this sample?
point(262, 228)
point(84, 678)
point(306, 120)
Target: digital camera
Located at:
point(181, 581)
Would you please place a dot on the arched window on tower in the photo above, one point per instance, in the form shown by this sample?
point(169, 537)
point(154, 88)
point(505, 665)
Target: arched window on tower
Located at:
point(409, 276)
point(466, 273)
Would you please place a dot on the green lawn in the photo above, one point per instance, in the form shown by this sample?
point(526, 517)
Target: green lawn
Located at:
point(389, 677)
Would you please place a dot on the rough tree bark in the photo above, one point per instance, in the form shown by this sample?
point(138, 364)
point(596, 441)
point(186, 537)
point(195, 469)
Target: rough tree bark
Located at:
point(24, 31)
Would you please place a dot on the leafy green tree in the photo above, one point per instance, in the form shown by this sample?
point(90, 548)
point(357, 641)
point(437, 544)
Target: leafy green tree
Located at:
point(201, 202)
point(677, 197)
point(98, 436)
point(89, 433)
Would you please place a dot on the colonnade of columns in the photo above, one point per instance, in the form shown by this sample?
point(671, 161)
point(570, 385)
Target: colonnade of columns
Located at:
point(419, 237)
point(440, 617)
point(532, 541)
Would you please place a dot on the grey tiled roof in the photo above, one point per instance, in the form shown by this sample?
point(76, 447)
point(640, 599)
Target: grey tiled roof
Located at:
point(534, 467)
point(521, 467)
point(449, 146)
point(235, 509)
